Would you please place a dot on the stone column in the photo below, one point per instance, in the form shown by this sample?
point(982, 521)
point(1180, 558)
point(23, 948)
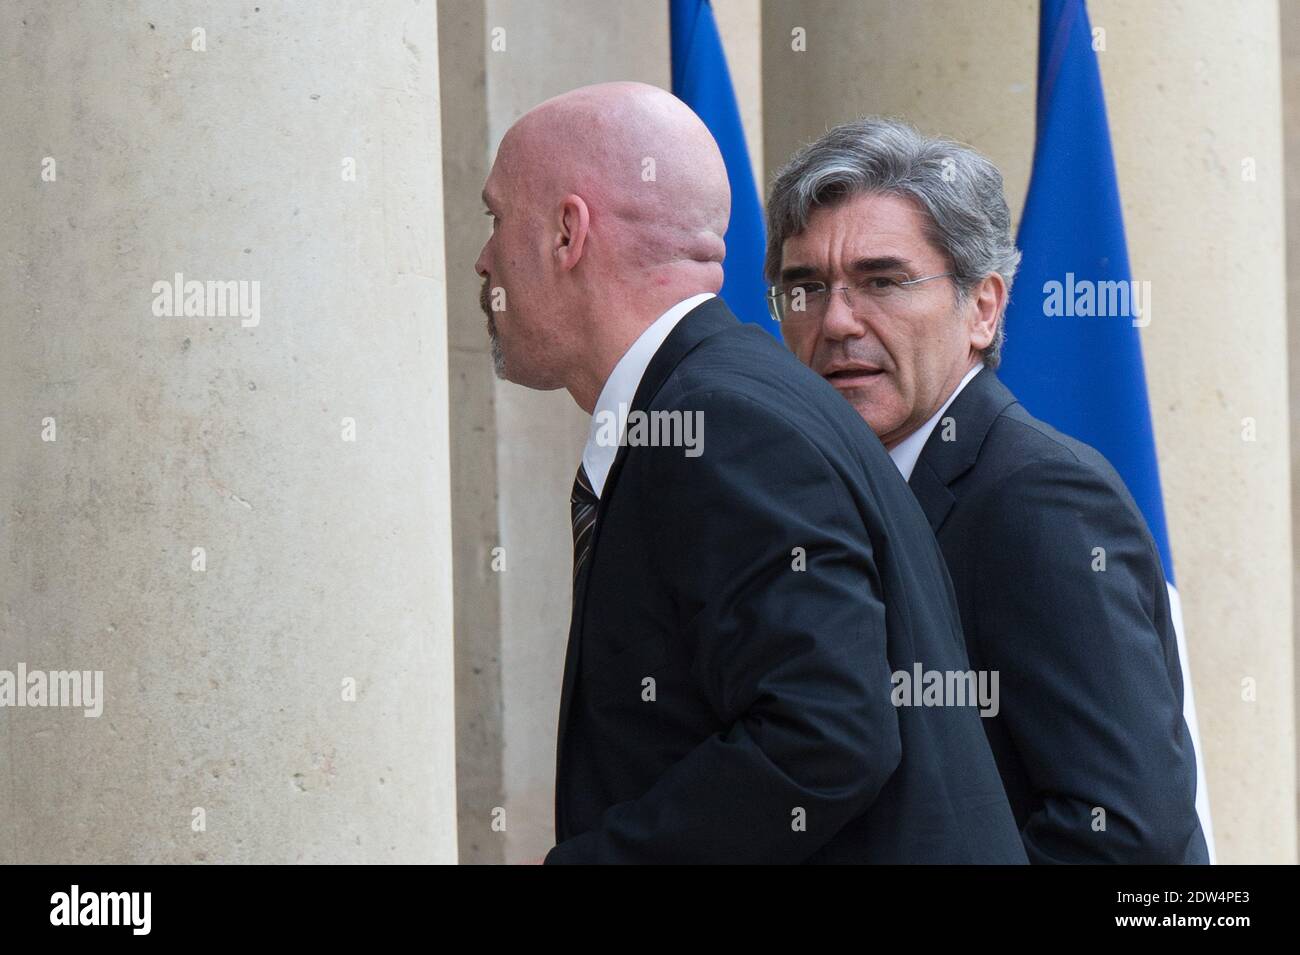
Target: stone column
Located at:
point(740, 24)
point(1195, 118)
point(242, 520)
point(1290, 40)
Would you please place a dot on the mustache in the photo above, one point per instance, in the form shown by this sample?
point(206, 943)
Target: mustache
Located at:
point(483, 299)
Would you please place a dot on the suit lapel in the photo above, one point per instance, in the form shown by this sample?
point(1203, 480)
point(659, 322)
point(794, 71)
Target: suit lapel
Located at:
point(931, 492)
point(706, 319)
point(943, 461)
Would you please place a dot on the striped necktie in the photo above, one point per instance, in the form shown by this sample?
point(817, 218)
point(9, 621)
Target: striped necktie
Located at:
point(583, 502)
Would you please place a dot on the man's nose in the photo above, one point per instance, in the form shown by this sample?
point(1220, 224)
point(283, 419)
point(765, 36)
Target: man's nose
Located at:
point(840, 322)
point(480, 266)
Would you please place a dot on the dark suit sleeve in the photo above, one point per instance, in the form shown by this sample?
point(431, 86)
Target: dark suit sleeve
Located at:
point(1089, 682)
point(792, 662)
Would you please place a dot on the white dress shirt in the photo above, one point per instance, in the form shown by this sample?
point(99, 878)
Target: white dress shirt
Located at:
point(907, 451)
point(620, 388)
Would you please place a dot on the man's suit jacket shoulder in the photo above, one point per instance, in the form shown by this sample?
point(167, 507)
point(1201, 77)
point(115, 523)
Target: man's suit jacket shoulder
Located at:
point(1035, 489)
point(1061, 591)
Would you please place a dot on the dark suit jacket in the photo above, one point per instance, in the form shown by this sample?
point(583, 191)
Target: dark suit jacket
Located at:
point(721, 704)
point(1091, 691)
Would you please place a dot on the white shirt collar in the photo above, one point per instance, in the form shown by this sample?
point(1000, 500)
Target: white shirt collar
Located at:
point(620, 388)
point(908, 451)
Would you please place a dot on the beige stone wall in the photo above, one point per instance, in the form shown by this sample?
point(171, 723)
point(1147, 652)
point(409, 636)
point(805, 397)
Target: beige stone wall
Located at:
point(1290, 43)
point(326, 560)
point(1191, 94)
point(740, 23)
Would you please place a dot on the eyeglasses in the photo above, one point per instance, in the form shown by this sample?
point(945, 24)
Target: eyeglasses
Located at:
point(807, 301)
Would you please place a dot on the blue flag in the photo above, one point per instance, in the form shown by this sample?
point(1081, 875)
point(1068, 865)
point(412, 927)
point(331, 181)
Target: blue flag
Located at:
point(701, 80)
point(1073, 355)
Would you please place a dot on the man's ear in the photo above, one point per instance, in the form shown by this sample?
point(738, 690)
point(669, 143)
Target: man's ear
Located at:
point(575, 219)
point(989, 299)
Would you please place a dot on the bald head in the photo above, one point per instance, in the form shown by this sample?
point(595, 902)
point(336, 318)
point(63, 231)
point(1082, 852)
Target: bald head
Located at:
point(609, 205)
point(644, 162)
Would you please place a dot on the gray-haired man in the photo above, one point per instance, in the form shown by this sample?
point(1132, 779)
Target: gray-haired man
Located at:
point(892, 261)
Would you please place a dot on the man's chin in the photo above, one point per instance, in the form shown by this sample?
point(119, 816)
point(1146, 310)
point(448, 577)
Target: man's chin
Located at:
point(873, 406)
point(511, 372)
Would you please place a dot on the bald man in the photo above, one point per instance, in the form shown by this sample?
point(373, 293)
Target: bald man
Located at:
point(753, 581)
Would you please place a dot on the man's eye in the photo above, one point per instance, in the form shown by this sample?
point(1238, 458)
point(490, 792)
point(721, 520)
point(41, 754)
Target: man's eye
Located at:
point(880, 283)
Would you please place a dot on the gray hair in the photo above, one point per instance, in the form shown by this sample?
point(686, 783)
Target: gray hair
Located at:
point(959, 190)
